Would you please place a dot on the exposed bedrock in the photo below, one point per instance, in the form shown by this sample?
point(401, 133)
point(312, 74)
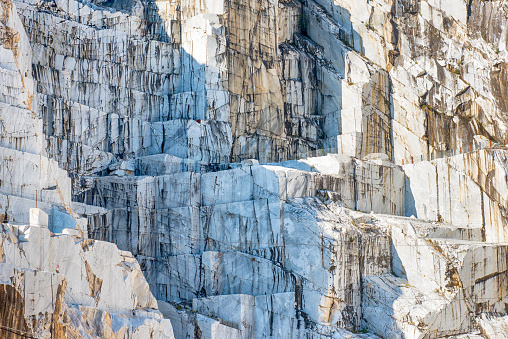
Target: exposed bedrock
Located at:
point(253, 169)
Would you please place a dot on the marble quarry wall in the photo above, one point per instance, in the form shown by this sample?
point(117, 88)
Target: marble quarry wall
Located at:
point(445, 62)
point(231, 169)
point(62, 288)
point(467, 190)
point(194, 81)
point(226, 84)
point(188, 213)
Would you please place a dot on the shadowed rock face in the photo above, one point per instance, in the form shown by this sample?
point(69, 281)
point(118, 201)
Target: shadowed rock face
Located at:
point(257, 107)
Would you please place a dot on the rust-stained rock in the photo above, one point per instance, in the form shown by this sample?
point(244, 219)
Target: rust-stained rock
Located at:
point(95, 283)
point(12, 318)
point(61, 295)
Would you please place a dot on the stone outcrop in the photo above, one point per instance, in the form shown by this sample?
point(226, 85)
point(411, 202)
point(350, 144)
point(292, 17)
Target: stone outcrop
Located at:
point(65, 288)
point(253, 169)
point(53, 282)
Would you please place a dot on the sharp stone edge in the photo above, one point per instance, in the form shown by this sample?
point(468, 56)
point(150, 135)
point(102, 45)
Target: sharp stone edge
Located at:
point(227, 169)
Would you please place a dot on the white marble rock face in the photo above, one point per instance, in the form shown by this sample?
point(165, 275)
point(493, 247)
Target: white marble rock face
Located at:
point(253, 169)
point(81, 288)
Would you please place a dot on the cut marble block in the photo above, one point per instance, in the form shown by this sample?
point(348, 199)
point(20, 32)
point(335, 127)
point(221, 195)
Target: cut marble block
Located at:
point(483, 281)
point(243, 226)
point(192, 325)
point(456, 190)
point(364, 185)
point(216, 273)
point(237, 309)
point(202, 140)
point(20, 129)
point(38, 217)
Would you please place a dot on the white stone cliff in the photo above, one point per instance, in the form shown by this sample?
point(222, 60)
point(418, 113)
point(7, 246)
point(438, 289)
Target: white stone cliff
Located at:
point(253, 169)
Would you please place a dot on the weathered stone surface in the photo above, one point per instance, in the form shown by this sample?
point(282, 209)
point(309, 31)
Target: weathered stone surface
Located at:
point(195, 134)
point(68, 288)
point(465, 190)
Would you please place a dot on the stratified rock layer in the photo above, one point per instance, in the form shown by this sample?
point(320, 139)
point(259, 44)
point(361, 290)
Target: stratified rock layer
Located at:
point(143, 124)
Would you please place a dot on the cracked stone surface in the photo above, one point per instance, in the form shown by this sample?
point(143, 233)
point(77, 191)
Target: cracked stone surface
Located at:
point(253, 169)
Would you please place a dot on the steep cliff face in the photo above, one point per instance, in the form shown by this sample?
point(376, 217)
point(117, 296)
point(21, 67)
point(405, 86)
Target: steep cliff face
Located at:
point(269, 80)
point(379, 207)
point(54, 283)
point(445, 62)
